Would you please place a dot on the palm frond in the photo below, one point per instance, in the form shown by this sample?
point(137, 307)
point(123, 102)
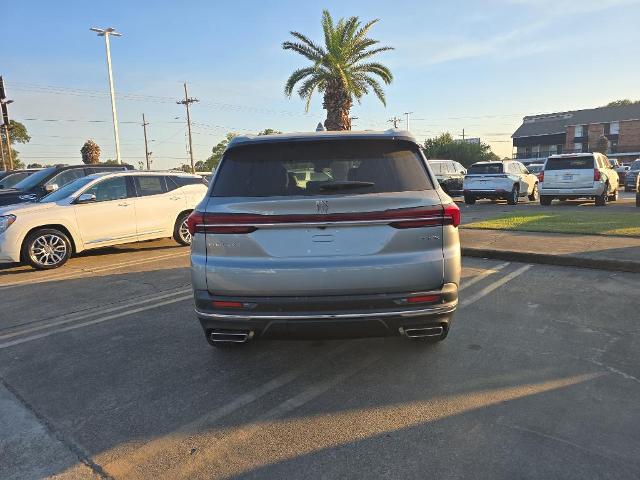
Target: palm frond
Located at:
point(377, 89)
point(377, 69)
point(302, 50)
point(369, 53)
point(308, 42)
point(297, 76)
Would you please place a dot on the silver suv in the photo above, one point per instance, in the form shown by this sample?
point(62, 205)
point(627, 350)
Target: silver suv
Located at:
point(365, 245)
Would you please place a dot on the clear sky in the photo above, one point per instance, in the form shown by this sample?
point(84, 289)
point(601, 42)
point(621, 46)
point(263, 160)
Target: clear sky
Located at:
point(477, 65)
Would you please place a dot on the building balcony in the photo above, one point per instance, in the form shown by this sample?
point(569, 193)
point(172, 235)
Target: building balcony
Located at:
point(615, 150)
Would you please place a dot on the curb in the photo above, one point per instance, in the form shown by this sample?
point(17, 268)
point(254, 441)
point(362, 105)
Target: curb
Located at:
point(548, 259)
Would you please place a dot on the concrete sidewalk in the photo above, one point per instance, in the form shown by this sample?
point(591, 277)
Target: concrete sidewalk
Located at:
point(588, 251)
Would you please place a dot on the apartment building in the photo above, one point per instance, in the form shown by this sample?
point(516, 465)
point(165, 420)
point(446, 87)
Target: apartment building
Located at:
point(579, 131)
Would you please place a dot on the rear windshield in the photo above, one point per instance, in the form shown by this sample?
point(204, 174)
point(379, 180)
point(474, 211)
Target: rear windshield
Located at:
point(569, 163)
point(321, 168)
point(439, 167)
point(486, 168)
point(635, 165)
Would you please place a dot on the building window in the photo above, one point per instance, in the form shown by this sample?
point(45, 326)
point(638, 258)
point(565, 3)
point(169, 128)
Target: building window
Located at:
point(614, 128)
point(553, 149)
point(579, 133)
point(578, 147)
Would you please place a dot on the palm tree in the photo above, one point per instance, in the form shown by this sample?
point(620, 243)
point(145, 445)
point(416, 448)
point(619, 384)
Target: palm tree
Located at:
point(338, 70)
point(90, 153)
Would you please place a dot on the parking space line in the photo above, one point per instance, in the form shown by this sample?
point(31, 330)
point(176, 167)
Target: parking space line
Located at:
point(93, 322)
point(90, 271)
point(493, 286)
point(483, 275)
point(84, 314)
point(122, 466)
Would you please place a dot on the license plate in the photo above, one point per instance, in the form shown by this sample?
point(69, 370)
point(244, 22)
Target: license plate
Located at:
point(568, 177)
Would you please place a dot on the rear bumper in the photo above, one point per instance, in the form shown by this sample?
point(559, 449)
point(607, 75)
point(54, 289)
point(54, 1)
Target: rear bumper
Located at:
point(326, 317)
point(573, 192)
point(500, 193)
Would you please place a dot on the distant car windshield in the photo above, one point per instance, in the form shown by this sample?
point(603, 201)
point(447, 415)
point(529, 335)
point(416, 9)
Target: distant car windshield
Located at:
point(635, 165)
point(486, 169)
point(12, 179)
point(569, 163)
point(67, 190)
point(33, 180)
point(535, 168)
point(321, 167)
point(438, 167)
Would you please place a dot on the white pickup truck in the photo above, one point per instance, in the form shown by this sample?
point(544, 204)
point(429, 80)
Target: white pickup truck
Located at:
point(507, 180)
point(578, 175)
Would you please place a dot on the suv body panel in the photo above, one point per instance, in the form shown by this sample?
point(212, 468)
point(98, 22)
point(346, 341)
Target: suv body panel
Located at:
point(319, 259)
point(578, 180)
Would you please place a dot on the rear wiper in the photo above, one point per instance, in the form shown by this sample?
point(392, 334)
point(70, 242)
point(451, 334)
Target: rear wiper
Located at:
point(345, 185)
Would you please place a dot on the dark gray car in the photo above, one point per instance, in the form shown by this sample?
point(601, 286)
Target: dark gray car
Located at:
point(371, 248)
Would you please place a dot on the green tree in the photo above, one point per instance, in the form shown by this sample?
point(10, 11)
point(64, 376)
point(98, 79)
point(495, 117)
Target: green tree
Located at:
point(602, 145)
point(217, 151)
point(90, 153)
point(18, 134)
point(338, 69)
point(445, 147)
point(622, 103)
point(35, 165)
point(269, 131)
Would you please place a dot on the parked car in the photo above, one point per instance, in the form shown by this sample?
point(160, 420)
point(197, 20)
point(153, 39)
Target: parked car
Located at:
point(614, 163)
point(535, 168)
point(371, 249)
point(450, 175)
point(99, 210)
point(578, 175)
point(9, 178)
point(632, 176)
point(508, 180)
point(50, 179)
point(622, 173)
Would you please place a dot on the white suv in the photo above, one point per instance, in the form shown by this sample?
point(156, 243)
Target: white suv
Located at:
point(99, 210)
point(578, 175)
point(507, 180)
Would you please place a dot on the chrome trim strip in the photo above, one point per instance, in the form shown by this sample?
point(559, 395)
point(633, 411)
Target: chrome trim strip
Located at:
point(322, 224)
point(450, 307)
point(102, 240)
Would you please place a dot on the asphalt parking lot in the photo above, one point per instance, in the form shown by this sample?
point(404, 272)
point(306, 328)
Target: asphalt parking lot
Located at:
point(485, 209)
point(106, 374)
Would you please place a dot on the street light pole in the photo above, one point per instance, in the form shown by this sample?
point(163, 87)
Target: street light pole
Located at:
point(106, 33)
point(407, 114)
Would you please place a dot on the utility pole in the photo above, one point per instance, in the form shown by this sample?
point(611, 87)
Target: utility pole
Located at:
point(463, 134)
point(106, 33)
point(395, 121)
point(186, 102)
point(5, 119)
point(147, 153)
point(407, 115)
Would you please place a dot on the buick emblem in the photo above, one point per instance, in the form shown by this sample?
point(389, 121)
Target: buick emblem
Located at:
point(322, 206)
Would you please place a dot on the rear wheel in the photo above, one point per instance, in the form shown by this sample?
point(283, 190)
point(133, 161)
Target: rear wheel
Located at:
point(545, 200)
point(637, 199)
point(46, 249)
point(534, 194)
point(469, 199)
point(181, 231)
point(512, 199)
point(601, 200)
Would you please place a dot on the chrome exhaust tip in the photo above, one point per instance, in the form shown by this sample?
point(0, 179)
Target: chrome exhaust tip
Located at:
point(231, 336)
point(422, 332)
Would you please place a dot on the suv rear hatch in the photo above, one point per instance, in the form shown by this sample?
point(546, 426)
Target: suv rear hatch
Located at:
point(487, 177)
point(372, 223)
point(569, 172)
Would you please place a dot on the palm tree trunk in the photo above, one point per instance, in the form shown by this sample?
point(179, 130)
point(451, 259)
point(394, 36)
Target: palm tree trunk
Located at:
point(338, 105)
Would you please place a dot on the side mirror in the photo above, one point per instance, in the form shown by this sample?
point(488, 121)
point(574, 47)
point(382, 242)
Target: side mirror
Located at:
point(52, 187)
point(86, 198)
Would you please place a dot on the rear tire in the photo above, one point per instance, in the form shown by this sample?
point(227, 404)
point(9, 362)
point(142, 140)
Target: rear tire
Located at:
point(601, 200)
point(637, 199)
point(513, 198)
point(180, 231)
point(534, 194)
point(469, 199)
point(46, 249)
point(545, 200)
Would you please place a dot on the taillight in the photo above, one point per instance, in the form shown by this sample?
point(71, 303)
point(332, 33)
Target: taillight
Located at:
point(452, 214)
point(402, 218)
point(541, 176)
point(227, 304)
point(596, 175)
